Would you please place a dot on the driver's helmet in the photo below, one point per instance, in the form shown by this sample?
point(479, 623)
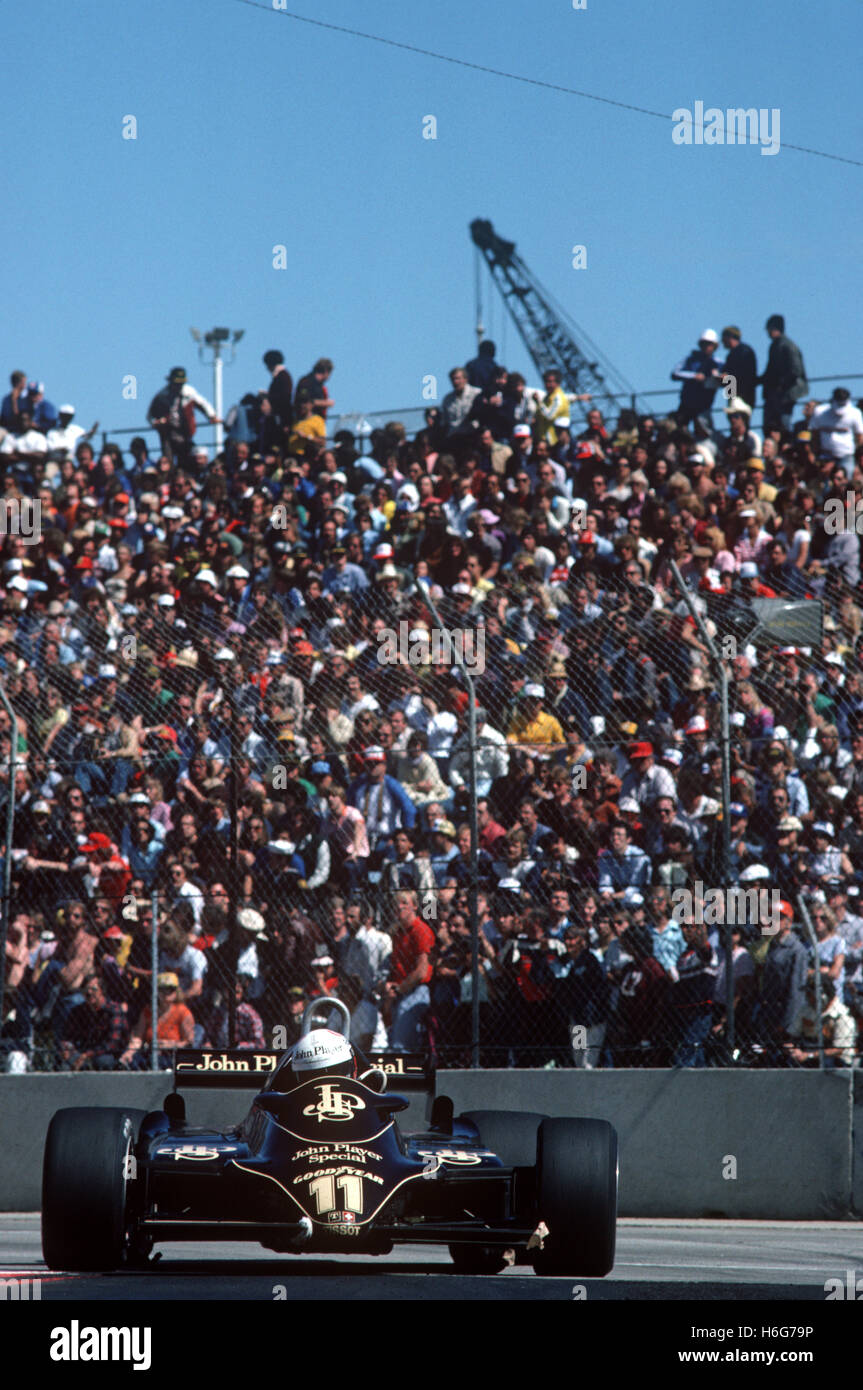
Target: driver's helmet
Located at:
point(325, 1052)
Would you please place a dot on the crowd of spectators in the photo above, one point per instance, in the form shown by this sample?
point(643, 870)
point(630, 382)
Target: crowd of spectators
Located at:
point(199, 647)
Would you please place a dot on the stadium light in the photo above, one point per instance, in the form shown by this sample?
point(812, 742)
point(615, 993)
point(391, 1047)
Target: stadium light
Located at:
point(213, 339)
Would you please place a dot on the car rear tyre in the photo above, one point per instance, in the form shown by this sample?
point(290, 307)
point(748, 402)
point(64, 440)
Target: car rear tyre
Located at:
point(85, 1191)
point(576, 1176)
point(478, 1259)
point(512, 1136)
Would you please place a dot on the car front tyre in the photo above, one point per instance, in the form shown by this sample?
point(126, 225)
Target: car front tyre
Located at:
point(85, 1187)
point(576, 1176)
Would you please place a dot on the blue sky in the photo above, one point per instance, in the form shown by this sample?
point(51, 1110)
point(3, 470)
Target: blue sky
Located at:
point(254, 130)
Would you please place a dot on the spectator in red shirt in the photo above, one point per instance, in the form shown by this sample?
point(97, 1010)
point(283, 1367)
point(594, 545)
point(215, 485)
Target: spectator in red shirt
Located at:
point(108, 874)
point(407, 988)
point(490, 832)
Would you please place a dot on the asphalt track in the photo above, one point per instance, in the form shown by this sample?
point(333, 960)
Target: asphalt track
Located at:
point(702, 1261)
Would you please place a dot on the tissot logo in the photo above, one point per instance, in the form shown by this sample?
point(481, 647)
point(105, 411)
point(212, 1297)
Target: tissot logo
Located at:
point(334, 1104)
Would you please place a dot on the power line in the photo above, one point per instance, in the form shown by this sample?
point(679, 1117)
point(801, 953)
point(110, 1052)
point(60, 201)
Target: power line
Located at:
point(500, 72)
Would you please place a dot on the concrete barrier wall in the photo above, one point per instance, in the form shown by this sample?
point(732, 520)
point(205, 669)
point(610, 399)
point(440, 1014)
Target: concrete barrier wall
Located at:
point(793, 1139)
point(857, 1145)
point(786, 1135)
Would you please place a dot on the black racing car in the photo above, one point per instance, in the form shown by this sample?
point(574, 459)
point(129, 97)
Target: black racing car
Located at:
point(325, 1167)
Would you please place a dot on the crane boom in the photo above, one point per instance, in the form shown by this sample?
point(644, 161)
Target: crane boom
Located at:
point(545, 329)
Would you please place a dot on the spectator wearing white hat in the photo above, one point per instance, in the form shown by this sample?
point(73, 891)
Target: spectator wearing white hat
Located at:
point(827, 860)
point(238, 578)
point(65, 436)
point(382, 800)
point(532, 727)
point(755, 541)
point(701, 375)
point(253, 928)
point(742, 442)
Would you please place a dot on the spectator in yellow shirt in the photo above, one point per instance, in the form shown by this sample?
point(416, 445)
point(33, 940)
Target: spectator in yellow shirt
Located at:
point(531, 726)
point(307, 426)
point(552, 407)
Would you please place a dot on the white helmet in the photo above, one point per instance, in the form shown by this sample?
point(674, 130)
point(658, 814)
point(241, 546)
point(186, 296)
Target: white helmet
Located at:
point(323, 1050)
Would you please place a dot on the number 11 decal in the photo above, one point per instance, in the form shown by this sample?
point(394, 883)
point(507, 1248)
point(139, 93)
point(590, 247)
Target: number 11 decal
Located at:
point(324, 1192)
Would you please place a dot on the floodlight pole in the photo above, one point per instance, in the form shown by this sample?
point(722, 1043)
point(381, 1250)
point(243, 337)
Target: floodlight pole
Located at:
point(217, 395)
point(725, 748)
point(154, 980)
point(214, 339)
point(474, 828)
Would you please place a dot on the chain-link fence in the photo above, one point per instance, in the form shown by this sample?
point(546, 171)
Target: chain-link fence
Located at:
point(245, 763)
point(308, 780)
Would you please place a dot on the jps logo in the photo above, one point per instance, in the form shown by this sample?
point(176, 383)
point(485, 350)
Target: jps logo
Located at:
point(192, 1151)
point(451, 1155)
point(333, 1104)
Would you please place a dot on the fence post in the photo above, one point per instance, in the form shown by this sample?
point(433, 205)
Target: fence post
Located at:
point(154, 982)
point(725, 747)
point(10, 828)
point(233, 901)
point(474, 827)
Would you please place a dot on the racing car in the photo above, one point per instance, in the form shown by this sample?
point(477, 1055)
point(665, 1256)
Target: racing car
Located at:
point(320, 1165)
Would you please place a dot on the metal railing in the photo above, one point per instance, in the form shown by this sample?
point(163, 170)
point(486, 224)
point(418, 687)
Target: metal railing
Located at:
point(361, 423)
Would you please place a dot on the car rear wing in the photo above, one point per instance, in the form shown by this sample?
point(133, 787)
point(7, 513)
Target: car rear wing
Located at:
point(249, 1069)
point(227, 1067)
point(405, 1071)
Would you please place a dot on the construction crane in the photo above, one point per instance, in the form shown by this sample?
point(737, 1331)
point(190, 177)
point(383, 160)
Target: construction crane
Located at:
point(551, 337)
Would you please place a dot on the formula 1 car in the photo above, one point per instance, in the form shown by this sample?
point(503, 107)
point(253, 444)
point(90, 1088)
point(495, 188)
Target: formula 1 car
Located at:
point(324, 1168)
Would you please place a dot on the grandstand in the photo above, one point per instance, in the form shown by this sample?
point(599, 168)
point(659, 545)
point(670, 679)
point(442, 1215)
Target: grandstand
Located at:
point(246, 772)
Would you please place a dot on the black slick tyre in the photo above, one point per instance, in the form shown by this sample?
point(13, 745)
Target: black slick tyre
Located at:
point(576, 1182)
point(85, 1187)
